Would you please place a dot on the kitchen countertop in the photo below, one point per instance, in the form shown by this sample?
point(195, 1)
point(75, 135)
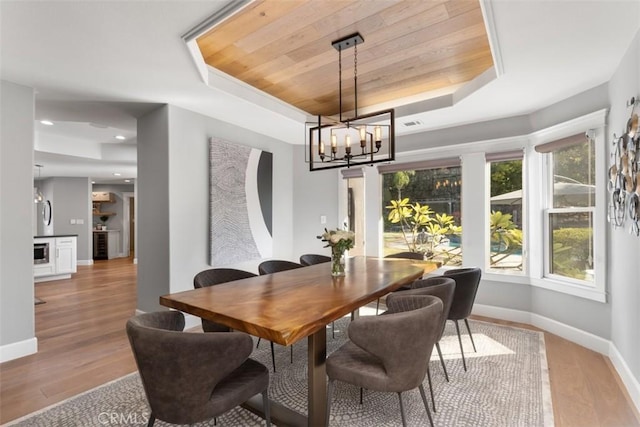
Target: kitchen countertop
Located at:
point(54, 235)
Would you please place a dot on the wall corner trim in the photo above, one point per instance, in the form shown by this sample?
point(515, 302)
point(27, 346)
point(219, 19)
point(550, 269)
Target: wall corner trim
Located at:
point(18, 349)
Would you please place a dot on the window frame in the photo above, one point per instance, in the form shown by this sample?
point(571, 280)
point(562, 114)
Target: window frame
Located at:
point(417, 166)
point(541, 203)
point(506, 156)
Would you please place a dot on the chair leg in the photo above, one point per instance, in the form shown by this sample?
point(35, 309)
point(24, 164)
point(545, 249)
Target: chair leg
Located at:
point(152, 420)
point(258, 344)
point(267, 406)
point(404, 421)
point(329, 394)
point(273, 357)
point(377, 306)
point(444, 367)
point(361, 393)
point(291, 357)
point(464, 364)
point(466, 322)
point(333, 330)
point(433, 400)
point(426, 406)
point(215, 421)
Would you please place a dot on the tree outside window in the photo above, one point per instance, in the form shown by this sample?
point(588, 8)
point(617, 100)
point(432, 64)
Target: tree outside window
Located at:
point(422, 213)
point(505, 220)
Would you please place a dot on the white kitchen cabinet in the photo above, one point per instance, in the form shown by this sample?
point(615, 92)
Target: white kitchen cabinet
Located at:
point(61, 260)
point(66, 259)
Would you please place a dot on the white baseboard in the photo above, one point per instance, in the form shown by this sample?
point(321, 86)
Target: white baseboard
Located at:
point(51, 278)
point(85, 262)
point(502, 313)
point(18, 349)
point(578, 336)
point(632, 385)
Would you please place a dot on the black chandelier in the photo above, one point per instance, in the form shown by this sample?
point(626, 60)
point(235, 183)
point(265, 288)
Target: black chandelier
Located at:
point(360, 140)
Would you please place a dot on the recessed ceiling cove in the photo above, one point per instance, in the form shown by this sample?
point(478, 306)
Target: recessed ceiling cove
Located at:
point(410, 47)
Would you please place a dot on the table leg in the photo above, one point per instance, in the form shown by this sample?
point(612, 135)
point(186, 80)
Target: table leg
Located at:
point(317, 394)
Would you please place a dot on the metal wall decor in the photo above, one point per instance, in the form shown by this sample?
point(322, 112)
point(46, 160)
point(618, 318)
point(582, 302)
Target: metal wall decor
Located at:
point(624, 174)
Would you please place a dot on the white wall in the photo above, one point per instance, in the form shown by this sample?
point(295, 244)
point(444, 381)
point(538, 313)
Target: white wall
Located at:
point(173, 188)
point(314, 195)
point(17, 331)
point(71, 199)
point(624, 249)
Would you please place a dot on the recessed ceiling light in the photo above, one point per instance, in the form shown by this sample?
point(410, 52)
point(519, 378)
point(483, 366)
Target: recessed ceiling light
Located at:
point(116, 174)
point(46, 122)
point(127, 180)
point(120, 137)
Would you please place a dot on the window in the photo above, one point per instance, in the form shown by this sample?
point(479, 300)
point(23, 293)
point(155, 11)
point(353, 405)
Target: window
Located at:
point(506, 212)
point(421, 211)
point(569, 218)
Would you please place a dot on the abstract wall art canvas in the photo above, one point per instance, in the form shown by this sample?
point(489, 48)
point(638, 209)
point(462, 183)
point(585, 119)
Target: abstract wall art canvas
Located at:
point(240, 203)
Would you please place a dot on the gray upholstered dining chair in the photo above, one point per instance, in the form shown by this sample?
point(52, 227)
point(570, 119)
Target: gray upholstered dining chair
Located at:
point(443, 288)
point(389, 353)
point(313, 259)
point(275, 266)
point(404, 255)
point(467, 281)
point(193, 377)
point(217, 276)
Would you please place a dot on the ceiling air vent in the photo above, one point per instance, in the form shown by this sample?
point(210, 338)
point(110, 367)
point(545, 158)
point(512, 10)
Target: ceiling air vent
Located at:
point(412, 123)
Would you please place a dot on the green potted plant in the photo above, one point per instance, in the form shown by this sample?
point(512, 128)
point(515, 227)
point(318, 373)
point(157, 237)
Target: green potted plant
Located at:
point(104, 219)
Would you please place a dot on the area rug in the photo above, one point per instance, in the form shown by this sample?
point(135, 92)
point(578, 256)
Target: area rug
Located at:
point(507, 384)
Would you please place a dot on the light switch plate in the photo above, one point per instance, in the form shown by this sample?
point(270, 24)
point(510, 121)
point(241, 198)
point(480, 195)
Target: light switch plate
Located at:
point(323, 219)
point(72, 221)
point(80, 221)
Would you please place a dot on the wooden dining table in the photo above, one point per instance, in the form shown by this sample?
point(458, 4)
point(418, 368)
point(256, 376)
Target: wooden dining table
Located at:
point(288, 306)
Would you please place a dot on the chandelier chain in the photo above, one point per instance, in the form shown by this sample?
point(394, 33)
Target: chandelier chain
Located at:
point(340, 79)
point(355, 78)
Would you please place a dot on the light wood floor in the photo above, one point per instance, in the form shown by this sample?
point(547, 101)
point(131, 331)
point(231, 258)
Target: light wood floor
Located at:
point(82, 344)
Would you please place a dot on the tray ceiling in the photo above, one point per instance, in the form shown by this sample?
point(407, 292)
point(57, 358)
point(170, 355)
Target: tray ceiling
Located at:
point(410, 47)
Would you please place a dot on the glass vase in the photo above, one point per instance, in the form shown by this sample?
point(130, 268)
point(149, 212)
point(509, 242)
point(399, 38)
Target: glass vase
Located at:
point(337, 263)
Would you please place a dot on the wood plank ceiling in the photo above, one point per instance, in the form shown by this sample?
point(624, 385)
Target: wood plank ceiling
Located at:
point(410, 47)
